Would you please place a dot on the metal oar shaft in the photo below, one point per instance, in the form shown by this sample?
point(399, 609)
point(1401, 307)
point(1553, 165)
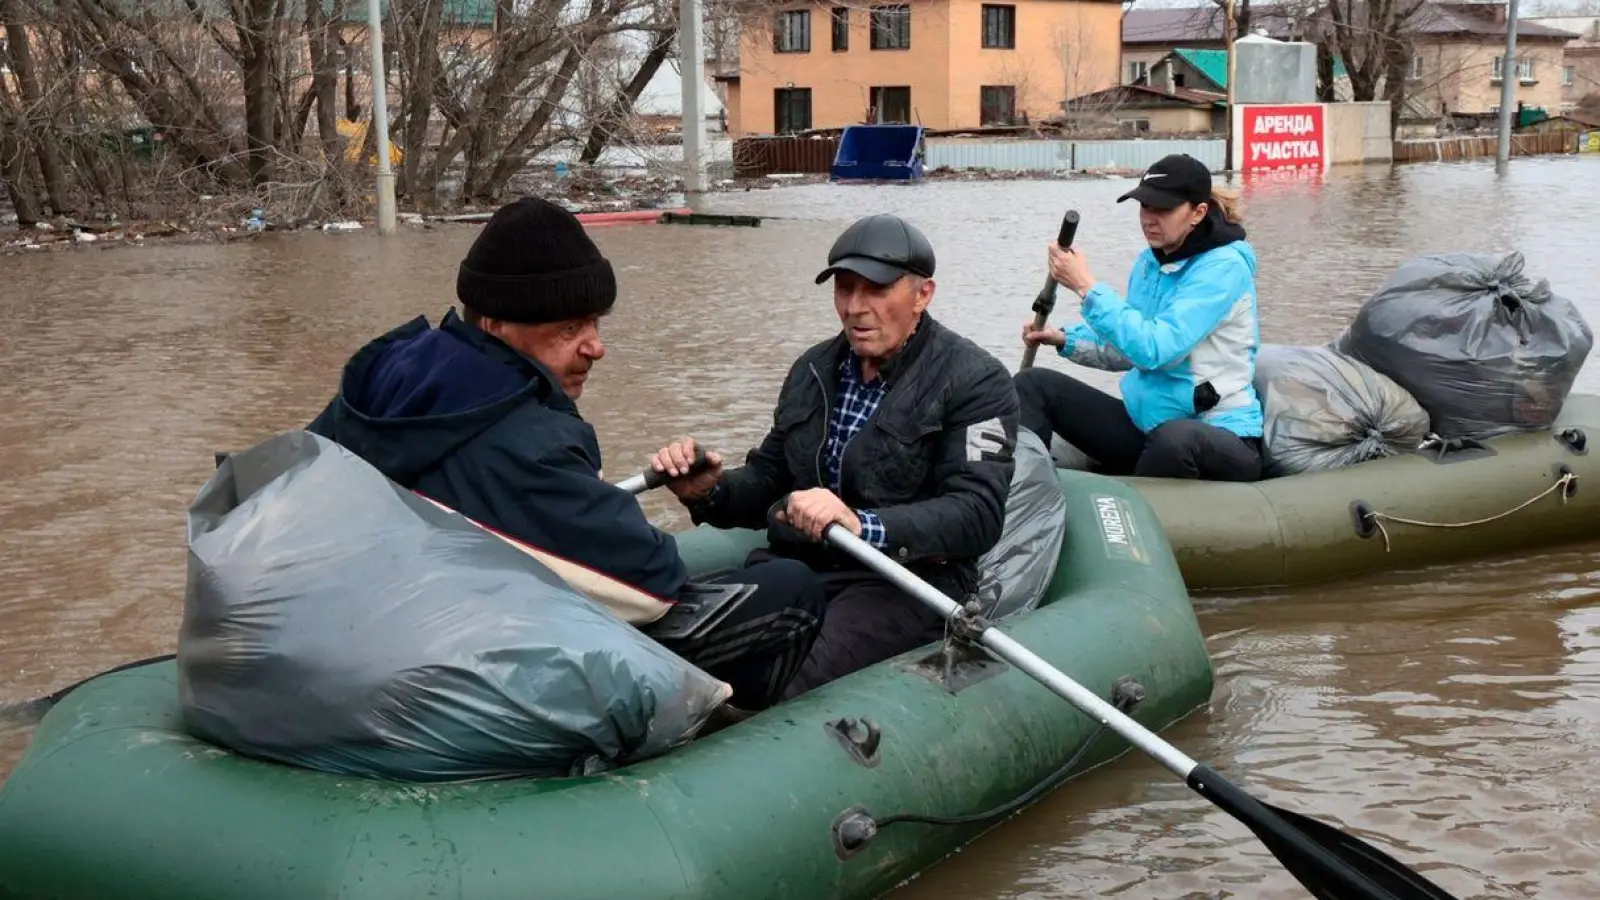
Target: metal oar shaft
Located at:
point(1019, 656)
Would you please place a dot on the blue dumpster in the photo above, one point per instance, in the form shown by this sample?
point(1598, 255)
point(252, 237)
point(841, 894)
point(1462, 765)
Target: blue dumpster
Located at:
point(879, 153)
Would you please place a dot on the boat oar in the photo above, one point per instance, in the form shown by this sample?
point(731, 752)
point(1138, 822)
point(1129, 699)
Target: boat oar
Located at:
point(650, 479)
point(1331, 864)
point(31, 711)
point(1045, 303)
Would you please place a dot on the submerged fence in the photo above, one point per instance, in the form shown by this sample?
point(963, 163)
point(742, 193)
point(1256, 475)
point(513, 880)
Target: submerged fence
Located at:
point(1450, 149)
point(757, 157)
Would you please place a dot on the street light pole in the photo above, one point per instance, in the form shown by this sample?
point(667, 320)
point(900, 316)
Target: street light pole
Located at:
point(1228, 36)
point(380, 120)
point(692, 69)
point(1508, 90)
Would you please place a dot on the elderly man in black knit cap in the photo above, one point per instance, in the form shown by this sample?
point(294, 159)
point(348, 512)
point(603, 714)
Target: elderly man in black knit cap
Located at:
point(478, 414)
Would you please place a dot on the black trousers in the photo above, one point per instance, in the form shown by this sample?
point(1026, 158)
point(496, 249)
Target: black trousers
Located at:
point(759, 647)
point(869, 620)
point(1098, 424)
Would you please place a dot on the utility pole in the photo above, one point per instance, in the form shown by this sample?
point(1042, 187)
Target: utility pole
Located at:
point(1228, 36)
point(380, 120)
point(692, 68)
point(1508, 90)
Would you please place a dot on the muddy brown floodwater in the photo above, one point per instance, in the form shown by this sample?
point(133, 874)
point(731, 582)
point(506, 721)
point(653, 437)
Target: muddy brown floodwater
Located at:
point(1454, 712)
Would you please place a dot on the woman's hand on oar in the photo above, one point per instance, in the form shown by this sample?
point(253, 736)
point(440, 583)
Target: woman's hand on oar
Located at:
point(1331, 864)
point(1045, 303)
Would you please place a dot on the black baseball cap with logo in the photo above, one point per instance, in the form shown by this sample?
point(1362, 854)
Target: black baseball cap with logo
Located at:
point(881, 249)
point(1173, 181)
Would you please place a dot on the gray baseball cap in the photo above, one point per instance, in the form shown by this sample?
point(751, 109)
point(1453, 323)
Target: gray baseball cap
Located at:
point(881, 249)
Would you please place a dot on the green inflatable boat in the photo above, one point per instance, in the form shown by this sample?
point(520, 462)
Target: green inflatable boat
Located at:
point(113, 799)
point(1510, 494)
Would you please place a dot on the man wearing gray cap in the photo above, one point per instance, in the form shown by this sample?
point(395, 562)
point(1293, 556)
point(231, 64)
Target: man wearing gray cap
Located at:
point(897, 428)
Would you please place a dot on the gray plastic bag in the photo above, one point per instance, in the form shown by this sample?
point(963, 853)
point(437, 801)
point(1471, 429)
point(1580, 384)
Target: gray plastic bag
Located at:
point(1015, 572)
point(1326, 410)
point(1485, 349)
point(336, 621)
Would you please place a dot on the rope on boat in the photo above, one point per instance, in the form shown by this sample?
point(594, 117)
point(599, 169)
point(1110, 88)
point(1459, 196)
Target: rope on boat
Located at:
point(1562, 484)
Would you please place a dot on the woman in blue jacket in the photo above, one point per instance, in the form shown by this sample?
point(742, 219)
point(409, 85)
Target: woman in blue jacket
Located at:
point(1186, 334)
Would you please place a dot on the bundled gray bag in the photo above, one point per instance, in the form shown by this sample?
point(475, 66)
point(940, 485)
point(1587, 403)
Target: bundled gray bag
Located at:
point(1483, 348)
point(336, 621)
point(1325, 410)
point(1014, 573)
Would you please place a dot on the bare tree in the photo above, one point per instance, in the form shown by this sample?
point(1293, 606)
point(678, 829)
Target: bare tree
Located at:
point(32, 116)
point(1080, 51)
point(139, 108)
point(611, 116)
point(1375, 39)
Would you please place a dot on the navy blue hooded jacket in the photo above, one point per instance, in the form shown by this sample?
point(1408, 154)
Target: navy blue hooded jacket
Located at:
point(460, 416)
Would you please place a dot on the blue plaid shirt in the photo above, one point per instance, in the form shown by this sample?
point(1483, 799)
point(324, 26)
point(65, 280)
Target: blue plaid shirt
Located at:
point(856, 402)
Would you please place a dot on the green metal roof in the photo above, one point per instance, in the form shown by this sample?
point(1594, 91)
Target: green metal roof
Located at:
point(1213, 64)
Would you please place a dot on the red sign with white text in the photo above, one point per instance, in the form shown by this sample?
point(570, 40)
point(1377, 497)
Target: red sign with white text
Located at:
point(1282, 137)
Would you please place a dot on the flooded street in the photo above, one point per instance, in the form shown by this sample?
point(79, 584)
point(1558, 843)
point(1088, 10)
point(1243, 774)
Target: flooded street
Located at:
point(1451, 716)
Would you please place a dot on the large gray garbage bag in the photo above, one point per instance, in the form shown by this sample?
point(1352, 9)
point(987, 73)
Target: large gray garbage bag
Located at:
point(336, 621)
point(1015, 572)
point(1485, 349)
point(1325, 410)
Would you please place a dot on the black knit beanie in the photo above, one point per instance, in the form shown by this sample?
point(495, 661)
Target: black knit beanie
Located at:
point(534, 262)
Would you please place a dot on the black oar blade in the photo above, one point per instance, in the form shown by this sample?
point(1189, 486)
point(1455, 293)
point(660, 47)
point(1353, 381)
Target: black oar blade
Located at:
point(1330, 864)
point(1389, 873)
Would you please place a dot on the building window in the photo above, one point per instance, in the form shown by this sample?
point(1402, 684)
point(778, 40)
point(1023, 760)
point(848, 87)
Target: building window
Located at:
point(1568, 75)
point(999, 26)
point(1138, 70)
point(792, 109)
point(891, 27)
point(891, 104)
point(1524, 68)
point(1415, 71)
point(1134, 126)
point(791, 33)
point(840, 19)
point(997, 104)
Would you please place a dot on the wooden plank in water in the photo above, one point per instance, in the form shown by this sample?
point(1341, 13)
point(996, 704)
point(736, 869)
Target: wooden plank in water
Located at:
point(676, 218)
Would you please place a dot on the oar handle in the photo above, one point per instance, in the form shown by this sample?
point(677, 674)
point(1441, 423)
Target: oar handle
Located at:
point(1016, 654)
point(650, 479)
point(1045, 303)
